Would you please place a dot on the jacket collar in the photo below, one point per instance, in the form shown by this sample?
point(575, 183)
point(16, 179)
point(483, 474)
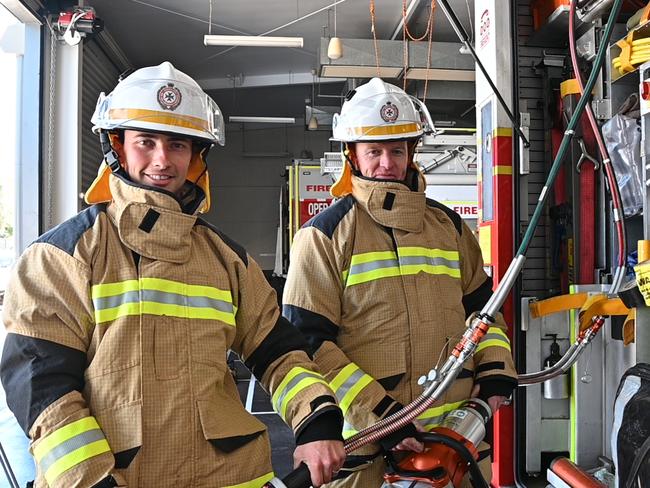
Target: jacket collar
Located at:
point(392, 204)
point(151, 222)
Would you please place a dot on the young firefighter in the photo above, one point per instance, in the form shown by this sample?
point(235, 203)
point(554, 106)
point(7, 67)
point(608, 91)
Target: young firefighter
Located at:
point(382, 283)
point(119, 319)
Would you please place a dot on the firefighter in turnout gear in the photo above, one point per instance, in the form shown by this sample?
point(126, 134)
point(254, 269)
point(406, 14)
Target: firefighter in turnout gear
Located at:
point(383, 282)
point(119, 320)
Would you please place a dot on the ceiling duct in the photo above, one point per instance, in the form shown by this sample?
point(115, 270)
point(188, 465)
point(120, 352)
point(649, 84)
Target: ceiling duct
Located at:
point(359, 61)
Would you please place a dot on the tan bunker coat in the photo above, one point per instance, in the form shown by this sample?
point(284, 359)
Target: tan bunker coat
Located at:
point(119, 323)
point(382, 283)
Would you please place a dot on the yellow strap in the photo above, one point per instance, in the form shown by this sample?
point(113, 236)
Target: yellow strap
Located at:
point(624, 57)
point(628, 327)
point(560, 303)
point(600, 305)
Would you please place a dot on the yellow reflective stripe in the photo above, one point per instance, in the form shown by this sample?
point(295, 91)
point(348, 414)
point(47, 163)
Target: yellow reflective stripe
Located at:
point(286, 391)
point(433, 253)
point(375, 274)
point(352, 393)
point(111, 289)
point(368, 257)
point(498, 331)
point(159, 117)
point(349, 433)
point(77, 456)
point(492, 343)
point(432, 417)
point(63, 434)
point(501, 169)
point(256, 483)
point(153, 285)
point(411, 269)
point(342, 376)
point(185, 289)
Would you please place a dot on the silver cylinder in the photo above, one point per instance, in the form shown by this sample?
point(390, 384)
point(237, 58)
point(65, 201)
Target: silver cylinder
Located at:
point(469, 420)
point(557, 388)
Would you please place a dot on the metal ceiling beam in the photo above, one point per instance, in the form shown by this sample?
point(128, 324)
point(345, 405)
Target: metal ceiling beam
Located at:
point(241, 81)
point(359, 60)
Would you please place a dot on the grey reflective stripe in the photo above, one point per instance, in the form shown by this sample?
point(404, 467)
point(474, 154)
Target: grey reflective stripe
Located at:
point(68, 446)
point(495, 337)
point(116, 300)
point(348, 384)
point(184, 300)
point(373, 265)
point(404, 261)
point(289, 386)
point(162, 297)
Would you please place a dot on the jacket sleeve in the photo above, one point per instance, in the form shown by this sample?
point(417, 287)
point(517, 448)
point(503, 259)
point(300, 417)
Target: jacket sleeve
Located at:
point(277, 355)
point(494, 366)
point(312, 302)
point(48, 317)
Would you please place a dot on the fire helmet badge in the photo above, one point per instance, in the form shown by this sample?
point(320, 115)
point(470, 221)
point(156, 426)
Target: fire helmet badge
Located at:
point(389, 112)
point(169, 97)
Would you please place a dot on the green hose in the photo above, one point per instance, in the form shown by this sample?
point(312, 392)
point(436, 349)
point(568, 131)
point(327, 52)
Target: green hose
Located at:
point(568, 134)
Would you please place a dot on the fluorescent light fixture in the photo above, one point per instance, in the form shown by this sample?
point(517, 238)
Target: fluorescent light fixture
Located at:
point(259, 41)
point(341, 71)
point(262, 120)
point(440, 74)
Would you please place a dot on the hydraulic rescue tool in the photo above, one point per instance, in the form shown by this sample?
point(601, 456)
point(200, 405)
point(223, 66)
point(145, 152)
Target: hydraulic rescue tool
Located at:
point(438, 380)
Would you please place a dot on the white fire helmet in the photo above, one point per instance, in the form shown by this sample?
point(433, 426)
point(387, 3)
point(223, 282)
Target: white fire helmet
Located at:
point(379, 111)
point(160, 99)
point(157, 99)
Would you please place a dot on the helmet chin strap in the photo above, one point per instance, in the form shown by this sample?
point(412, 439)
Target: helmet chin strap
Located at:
point(111, 158)
point(350, 157)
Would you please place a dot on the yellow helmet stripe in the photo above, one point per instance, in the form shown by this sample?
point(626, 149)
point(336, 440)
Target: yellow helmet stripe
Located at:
point(158, 117)
point(385, 130)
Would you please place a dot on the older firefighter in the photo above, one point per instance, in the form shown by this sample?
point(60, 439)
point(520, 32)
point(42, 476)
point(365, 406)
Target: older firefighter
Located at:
point(383, 281)
point(120, 319)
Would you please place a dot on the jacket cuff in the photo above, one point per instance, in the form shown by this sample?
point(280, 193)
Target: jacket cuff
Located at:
point(326, 426)
point(491, 386)
point(391, 440)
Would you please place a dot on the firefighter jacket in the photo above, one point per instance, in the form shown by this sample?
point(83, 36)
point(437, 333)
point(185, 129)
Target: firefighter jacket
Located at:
point(382, 283)
point(119, 321)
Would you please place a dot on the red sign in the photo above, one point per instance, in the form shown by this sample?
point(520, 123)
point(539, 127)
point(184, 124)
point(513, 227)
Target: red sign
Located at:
point(312, 206)
point(484, 28)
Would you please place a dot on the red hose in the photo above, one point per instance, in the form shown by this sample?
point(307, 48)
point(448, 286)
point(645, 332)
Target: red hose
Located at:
point(573, 475)
point(611, 177)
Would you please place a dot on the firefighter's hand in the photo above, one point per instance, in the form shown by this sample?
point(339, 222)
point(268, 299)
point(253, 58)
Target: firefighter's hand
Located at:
point(411, 443)
point(324, 459)
point(495, 402)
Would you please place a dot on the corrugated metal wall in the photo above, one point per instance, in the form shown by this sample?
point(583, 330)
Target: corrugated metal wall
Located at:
point(99, 73)
point(531, 99)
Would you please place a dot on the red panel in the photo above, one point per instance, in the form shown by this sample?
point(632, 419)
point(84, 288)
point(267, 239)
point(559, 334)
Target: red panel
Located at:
point(502, 254)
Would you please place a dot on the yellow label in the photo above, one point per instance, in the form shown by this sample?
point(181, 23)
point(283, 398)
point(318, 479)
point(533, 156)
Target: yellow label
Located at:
point(642, 271)
point(485, 242)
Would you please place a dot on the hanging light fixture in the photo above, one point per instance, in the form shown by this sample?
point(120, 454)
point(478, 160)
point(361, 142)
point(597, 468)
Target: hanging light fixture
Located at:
point(335, 47)
point(313, 121)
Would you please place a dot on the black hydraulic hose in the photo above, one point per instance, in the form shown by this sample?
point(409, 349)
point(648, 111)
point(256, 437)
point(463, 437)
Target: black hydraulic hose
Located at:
point(476, 478)
point(464, 38)
point(6, 467)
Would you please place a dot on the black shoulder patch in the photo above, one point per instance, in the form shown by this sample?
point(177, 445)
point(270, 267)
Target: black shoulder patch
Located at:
point(66, 235)
point(328, 219)
point(455, 218)
point(237, 249)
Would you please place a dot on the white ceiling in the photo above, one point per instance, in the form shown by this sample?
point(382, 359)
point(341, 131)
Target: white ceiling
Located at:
point(151, 31)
